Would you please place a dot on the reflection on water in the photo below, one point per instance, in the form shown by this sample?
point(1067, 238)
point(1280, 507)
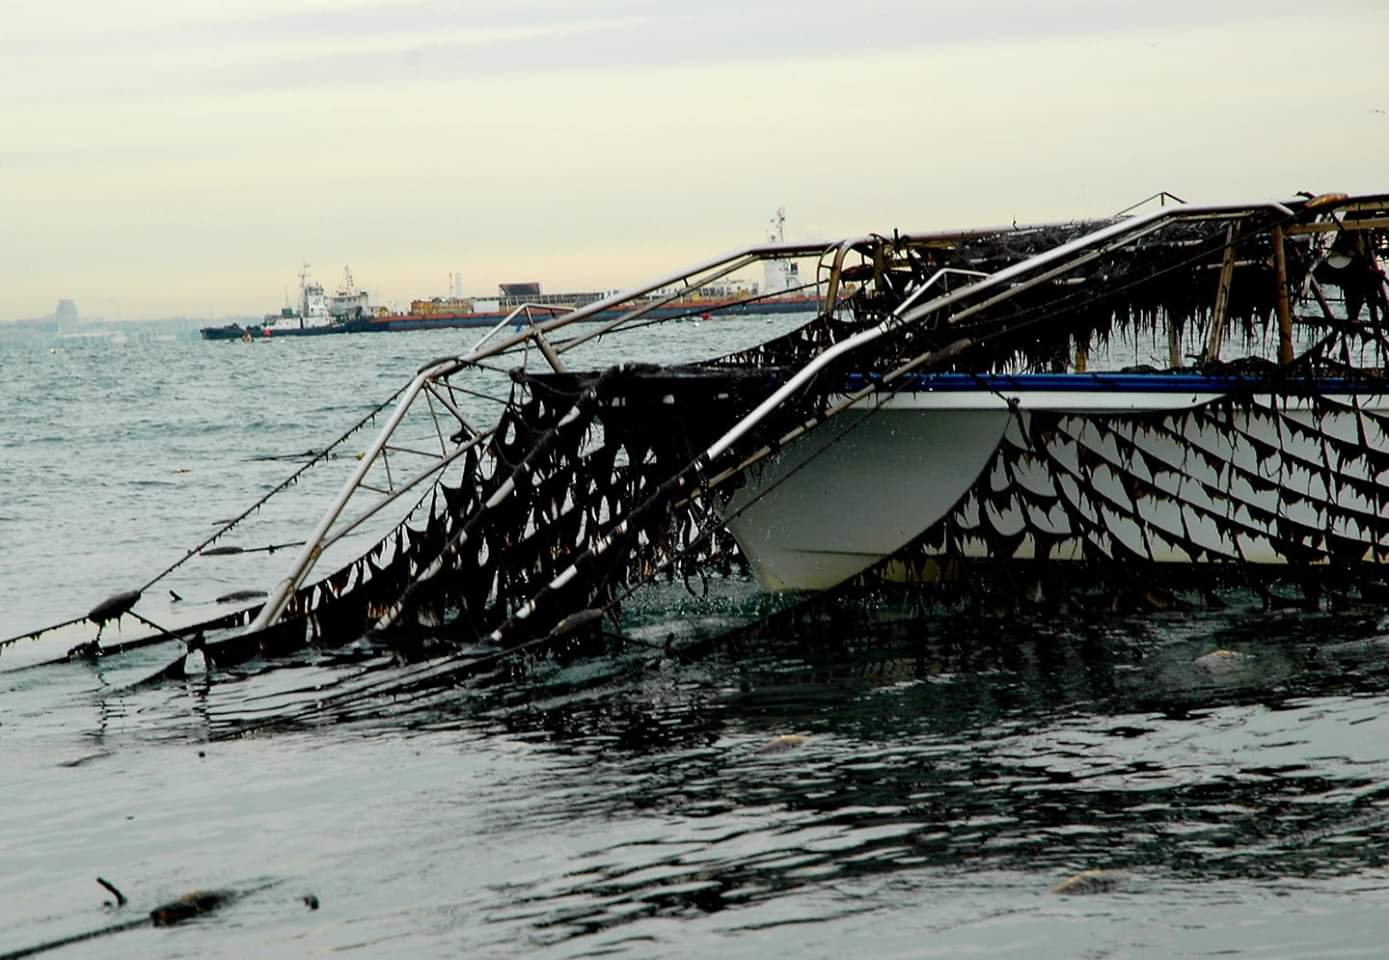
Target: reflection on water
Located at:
point(933, 749)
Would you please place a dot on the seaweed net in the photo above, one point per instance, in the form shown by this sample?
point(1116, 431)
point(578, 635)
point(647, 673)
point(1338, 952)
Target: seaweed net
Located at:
point(1139, 505)
point(593, 484)
point(1167, 280)
point(572, 458)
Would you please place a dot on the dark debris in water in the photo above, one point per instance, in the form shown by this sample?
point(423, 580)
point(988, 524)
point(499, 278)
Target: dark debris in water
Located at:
point(1002, 717)
point(871, 738)
point(189, 906)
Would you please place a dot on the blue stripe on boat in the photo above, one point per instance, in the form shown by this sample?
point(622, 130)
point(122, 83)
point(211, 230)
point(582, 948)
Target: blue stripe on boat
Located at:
point(1125, 382)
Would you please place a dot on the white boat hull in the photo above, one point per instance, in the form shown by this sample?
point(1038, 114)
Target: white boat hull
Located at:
point(843, 496)
point(1166, 477)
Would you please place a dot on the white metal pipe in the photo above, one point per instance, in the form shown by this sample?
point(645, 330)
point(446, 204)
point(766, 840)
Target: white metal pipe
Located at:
point(452, 408)
point(400, 491)
point(920, 291)
point(823, 359)
point(647, 308)
point(606, 303)
point(503, 322)
point(1090, 239)
point(313, 545)
point(753, 254)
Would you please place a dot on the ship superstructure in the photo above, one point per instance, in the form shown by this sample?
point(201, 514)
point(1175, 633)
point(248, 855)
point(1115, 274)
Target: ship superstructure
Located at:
point(348, 303)
point(317, 309)
point(779, 276)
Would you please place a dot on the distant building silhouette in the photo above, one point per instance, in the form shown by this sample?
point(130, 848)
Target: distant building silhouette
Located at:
point(66, 311)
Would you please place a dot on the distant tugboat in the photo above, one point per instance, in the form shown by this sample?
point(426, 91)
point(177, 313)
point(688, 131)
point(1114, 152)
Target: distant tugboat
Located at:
point(316, 312)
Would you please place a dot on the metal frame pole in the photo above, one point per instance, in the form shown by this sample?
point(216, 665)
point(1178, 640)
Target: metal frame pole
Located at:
point(313, 545)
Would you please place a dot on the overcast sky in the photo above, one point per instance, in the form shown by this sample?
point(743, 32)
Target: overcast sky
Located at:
point(168, 157)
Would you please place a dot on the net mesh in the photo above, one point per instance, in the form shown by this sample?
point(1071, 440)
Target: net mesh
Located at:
point(592, 484)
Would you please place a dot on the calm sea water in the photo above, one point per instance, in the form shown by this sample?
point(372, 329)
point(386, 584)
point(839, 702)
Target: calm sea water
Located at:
point(953, 769)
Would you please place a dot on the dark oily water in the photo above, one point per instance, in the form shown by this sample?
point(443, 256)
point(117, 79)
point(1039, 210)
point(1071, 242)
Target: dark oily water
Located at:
point(917, 783)
point(870, 779)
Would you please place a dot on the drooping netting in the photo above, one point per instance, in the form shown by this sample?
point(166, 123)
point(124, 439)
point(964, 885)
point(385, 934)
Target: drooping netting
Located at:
point(1139, 503)
point(571, 458)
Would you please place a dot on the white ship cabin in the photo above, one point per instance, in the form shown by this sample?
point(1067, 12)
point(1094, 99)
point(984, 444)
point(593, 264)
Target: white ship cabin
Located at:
point(348, 303)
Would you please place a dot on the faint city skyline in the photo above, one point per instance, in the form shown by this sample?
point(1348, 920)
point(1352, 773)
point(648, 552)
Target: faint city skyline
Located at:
point(163, 158)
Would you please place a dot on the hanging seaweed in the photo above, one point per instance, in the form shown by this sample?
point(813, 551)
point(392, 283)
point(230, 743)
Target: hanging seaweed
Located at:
point(960, 415)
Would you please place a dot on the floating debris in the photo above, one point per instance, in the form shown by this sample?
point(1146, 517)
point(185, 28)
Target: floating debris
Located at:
point(120, 897)
point(1090, 882)
point(1221, 661)
point(783, 743)
point(186, 907)
point(113, 607)
point(190, 905)
point(87, 758)
point(237, 596)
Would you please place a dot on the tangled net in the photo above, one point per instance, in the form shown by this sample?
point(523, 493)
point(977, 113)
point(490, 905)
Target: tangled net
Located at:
point(591, 485)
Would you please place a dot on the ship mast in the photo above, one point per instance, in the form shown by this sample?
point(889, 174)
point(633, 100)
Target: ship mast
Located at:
point(776, 274)
point(304, 291)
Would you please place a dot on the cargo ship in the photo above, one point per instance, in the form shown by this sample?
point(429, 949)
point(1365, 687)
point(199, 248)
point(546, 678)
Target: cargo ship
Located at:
point(348, 310)
point(445, 316)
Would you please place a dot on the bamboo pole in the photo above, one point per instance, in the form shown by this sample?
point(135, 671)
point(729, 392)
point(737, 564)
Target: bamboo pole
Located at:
point(836, 268)
point(1337, 226)
point(1285, 318)
point(1222, 297)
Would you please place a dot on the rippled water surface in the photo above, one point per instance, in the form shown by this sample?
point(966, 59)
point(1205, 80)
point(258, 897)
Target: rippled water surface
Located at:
point(884, 781)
